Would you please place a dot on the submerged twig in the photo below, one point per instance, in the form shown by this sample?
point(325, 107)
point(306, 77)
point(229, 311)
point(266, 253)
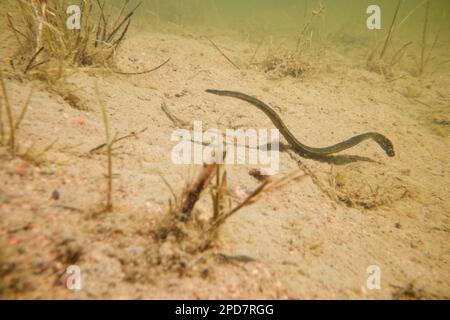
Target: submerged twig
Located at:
point(16, 31)
point(109, 204)
point(2, 130)
point(222, 53)
point(24, 110)
point(424, 38)
point(256, 50)
point(265, 186)
point(125, 4)
point(221, 219)
point(192, 194)
point(127, 17)
point(399, 54)
point(175, 120)
point(11, 140)
point(130, 135)
point(175, 198)
point(391, 29)
point(143, 72)
point(33, 58)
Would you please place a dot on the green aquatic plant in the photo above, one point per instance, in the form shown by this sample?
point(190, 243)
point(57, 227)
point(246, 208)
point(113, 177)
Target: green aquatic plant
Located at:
point(378, 62)
point(426, 51)
point(424, 37)
point(382, 59)
point(12, 122)
point(109, 142)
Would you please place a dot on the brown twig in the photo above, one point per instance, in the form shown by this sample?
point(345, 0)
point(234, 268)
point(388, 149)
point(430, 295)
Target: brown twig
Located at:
point(33, 58)
point(24, 110)
point(2, 130)
point(120, 39)
point(131, 134)
point(192, 194)
point(122, 10)
point(99, 26)
point(256, 50)
point(175, 120)
point(143, 72)
point(11, 139)
point(175, 198)
point(244, 203)
point(16, 31)
point(424, 38)
point(109, 203)
point(399, 54)
point(127, 17)
point(391, 29)
point(38, 64)
point(122, 35)
point(266, 186)
point(222, 53)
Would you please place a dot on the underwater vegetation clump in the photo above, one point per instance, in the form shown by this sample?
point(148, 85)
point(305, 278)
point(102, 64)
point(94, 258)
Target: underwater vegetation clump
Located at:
point(185, 225)
point(292, 57)
point(387, 54)
point(47, 45)
point(285, 63)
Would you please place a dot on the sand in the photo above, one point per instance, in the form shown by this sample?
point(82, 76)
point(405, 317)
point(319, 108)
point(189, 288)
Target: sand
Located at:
point(313, 239)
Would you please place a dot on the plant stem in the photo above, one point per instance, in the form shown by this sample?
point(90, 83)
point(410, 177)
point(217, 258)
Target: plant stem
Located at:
point(109, 143)
point(11, 140)
point(391, 29)
point(424, 38)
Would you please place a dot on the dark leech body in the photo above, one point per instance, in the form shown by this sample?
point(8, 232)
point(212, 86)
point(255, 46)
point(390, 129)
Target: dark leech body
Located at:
point(299, 147)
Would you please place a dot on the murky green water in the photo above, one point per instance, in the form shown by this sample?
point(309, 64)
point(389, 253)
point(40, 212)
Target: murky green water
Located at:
point(328, 22)
point(419, 30)
point(288, 16)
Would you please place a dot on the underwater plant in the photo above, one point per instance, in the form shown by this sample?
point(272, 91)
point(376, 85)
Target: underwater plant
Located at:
point(47, 45)
point(377, 60)
point(426, 50)
point(383, 58)
point(13, 123)
point(184, 222)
